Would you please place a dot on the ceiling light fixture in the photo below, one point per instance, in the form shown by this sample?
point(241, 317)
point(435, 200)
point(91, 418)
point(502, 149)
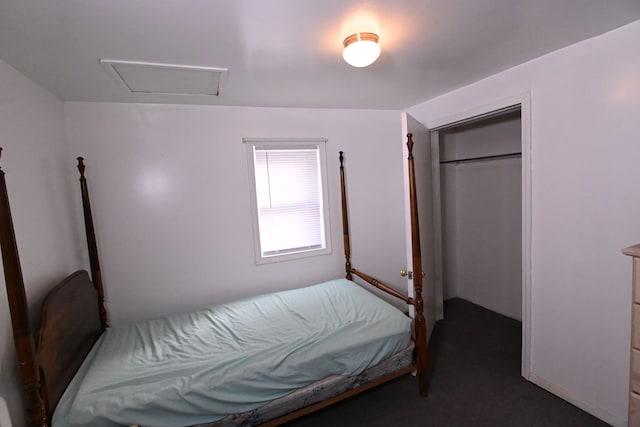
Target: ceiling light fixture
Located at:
point(361, 49)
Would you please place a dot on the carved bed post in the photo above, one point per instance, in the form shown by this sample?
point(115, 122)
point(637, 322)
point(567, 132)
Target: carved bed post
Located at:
point(420, 323)
point(22, 335)
point(96, 274)
point(345, 220)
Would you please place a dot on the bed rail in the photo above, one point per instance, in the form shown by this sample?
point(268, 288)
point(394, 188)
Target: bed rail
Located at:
point(382, 286)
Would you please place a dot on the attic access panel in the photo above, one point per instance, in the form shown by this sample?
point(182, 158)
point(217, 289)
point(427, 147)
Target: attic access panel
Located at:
point(166, 79)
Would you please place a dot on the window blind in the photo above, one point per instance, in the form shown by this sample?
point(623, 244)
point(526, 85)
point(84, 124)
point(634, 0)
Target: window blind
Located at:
point(289, 199)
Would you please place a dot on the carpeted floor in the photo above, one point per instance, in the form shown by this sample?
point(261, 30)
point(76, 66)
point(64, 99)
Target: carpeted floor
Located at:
point(475, 381)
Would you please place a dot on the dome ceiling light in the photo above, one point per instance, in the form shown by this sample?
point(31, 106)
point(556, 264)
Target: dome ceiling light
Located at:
point(361, 49)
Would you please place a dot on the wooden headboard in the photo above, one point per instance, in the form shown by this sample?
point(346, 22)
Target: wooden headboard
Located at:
point(69, 326)
point(73, 317)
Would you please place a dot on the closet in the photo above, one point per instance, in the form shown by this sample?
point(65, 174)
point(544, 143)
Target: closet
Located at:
point(481, 212)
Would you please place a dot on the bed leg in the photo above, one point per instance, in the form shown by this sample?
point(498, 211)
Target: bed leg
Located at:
point(422, 347)
point(422, 354)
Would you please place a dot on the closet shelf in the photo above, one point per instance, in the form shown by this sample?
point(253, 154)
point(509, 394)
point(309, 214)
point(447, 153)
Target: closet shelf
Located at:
point(475, 159)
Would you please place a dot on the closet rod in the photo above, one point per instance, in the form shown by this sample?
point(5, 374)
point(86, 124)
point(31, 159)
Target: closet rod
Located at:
point(473, 159)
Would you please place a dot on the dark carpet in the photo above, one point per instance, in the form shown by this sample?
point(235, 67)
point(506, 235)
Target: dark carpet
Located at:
point(475, 381)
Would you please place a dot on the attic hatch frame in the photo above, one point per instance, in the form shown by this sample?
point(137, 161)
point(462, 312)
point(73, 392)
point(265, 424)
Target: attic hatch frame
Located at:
point(217, 74)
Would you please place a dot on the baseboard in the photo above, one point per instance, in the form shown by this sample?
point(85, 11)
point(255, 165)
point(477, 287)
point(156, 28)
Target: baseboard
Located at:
point(585, 406)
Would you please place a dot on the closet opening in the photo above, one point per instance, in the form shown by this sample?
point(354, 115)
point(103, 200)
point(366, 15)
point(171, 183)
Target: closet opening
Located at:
point(478, 212)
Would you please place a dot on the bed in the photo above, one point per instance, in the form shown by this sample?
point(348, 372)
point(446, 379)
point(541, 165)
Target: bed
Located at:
point(263, 360)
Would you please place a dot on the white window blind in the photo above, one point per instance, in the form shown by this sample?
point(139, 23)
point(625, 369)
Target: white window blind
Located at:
point(290, 201)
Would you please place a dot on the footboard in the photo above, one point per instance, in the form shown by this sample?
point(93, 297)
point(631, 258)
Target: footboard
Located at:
point(347, 246)
point(420, 328)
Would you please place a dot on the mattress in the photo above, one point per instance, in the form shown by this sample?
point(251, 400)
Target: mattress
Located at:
point(200, 367)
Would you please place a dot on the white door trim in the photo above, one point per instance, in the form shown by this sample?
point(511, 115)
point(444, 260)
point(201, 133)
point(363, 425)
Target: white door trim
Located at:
point(523, 101)
point(437, 223)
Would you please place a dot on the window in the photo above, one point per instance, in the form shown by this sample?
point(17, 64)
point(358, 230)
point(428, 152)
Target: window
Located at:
point(288, 196)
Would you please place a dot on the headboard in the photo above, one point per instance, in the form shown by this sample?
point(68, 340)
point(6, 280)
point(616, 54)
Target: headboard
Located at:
point(63, 341)
point(73, 313)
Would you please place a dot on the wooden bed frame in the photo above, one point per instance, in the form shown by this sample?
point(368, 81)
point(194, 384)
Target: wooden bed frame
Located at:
point(73, 315)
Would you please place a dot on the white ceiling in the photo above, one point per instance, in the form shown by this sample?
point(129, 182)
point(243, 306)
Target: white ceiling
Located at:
point(288, 52)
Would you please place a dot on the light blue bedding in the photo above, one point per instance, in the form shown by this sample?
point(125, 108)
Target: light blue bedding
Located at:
point(198, 367)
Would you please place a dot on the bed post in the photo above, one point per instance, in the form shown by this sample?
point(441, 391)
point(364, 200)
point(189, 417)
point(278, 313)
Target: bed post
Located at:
point(345, 220)
point(22, 335)
point(420, 323)
point(96, 274)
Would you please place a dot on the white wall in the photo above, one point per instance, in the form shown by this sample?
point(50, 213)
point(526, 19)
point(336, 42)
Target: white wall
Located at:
point(585, 103)
point(169, 188)
point(41, 191)
point(483, 214)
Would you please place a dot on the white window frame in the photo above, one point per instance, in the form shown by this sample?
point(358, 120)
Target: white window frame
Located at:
point(287, 143)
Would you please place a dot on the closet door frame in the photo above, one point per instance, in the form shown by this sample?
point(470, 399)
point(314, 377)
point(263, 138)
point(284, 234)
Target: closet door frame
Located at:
point(520, 102)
